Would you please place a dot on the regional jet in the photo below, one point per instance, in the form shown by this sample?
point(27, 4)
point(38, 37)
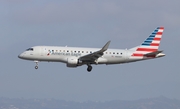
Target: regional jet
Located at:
point(77, 56)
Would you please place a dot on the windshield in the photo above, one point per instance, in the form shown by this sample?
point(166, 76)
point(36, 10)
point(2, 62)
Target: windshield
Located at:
point(29, 49)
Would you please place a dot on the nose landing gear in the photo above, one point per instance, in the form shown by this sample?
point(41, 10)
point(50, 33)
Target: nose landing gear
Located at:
point(36, 67)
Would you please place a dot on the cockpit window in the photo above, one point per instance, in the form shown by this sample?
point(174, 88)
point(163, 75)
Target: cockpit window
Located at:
point(29, 49)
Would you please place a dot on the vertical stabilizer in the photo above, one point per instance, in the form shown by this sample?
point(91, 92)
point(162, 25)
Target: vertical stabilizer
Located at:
point(151, 44)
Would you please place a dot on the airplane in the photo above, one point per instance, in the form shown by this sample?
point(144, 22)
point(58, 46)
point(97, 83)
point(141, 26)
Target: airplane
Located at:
point(77, 56)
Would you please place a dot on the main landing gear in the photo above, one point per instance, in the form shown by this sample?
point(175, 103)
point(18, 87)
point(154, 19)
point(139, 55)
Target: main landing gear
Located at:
point(89, 68)
point(36, 67)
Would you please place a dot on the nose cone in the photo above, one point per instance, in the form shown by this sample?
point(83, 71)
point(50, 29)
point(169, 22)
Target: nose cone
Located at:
point(20, 56)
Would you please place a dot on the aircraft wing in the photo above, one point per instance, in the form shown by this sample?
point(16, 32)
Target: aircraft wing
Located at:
point(95, 55)
point(153, 53)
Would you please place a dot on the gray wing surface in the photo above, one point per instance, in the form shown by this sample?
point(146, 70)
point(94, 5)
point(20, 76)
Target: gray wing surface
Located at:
point(95, 55)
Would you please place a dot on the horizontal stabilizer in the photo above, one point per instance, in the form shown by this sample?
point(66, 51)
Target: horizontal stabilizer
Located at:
point(153, 53)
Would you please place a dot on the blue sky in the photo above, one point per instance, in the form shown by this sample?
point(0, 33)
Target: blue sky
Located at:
point(88, 24)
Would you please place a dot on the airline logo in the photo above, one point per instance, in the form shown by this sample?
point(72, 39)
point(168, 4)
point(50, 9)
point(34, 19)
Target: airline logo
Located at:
point(62, 53)
point(151, 44)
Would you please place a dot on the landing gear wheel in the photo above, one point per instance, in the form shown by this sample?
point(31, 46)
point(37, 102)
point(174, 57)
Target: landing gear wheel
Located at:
point(89, 68)
point(36, 67)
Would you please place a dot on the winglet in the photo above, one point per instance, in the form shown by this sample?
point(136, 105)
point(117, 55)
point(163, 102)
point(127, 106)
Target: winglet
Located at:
point(105, 46)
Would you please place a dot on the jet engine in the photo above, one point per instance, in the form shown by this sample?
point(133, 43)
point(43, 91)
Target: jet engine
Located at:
point(73, 62)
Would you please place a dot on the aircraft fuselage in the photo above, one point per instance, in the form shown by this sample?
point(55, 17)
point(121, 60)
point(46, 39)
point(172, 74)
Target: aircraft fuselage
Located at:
point(77, 56)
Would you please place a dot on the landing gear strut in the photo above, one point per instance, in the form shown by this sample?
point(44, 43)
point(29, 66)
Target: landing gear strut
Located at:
point(89, 68)
point(36, 67)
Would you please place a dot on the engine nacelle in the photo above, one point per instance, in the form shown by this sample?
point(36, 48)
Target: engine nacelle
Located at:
point(72, 62)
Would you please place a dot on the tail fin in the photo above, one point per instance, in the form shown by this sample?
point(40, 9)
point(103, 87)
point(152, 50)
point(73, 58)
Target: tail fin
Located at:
point(151, 44)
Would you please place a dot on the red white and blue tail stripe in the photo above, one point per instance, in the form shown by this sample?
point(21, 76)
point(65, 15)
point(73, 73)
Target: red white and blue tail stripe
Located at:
point(151, 44)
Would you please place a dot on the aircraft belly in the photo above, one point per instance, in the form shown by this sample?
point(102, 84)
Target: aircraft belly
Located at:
point(134, 59)
point(116, 60)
